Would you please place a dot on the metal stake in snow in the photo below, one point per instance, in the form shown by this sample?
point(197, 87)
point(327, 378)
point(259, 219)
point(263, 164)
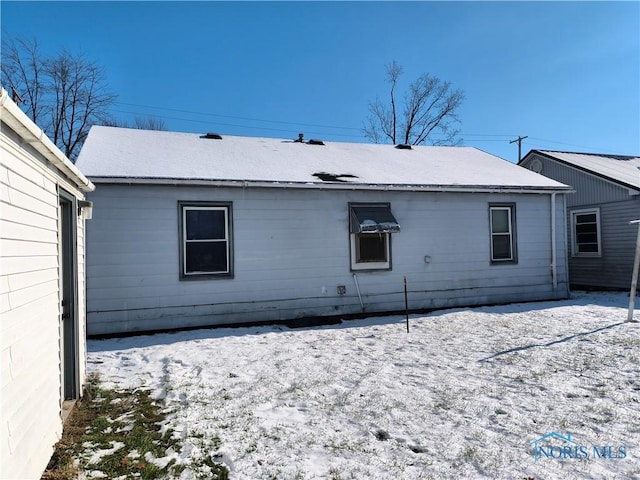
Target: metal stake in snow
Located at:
point(634, 276)
point(406, 303)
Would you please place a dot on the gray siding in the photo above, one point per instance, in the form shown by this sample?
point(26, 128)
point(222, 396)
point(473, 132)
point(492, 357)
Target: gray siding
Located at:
point(615, 267)
point(618, 206)
point(291, 252)
point(589, 189)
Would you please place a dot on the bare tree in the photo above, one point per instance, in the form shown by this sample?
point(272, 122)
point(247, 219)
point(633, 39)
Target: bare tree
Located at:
point(428, 114)
point(23, 69)
point(64, 94)
point(149, 123)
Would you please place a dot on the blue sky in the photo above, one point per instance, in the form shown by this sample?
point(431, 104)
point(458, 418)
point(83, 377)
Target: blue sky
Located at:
point(567, 75)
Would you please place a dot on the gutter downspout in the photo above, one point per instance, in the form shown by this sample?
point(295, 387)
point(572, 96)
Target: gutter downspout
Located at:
point(554, 268)
point(565, 242)
point(634, 277)
point(355, 279)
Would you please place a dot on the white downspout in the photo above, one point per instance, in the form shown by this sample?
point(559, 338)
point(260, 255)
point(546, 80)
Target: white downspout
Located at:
point(634, 277)
point(554, 268)
point(565, 243)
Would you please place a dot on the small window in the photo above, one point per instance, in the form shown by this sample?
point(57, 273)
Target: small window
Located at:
point(371, 226)
point(585, 227)
point(502, 224)
point(205, 231)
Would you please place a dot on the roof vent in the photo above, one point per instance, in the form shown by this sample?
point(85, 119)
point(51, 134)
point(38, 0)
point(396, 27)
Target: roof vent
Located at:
point(314, 141)
point(300, 138)
point(403, 146)
point(215, 136)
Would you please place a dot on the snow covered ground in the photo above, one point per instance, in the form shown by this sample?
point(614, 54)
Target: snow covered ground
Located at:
point(465, 394)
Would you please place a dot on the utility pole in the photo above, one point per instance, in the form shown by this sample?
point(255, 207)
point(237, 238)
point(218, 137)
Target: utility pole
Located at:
point(519, 140)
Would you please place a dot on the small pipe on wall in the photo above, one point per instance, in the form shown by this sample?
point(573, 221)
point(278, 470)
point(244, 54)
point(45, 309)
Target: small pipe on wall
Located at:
point(355, 280)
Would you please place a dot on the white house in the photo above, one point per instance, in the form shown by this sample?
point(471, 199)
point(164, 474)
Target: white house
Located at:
point(42, 292)
point(196, 230)
point(602, 242)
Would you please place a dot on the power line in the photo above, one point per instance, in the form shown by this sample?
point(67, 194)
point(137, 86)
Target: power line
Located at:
point(485, 135)
point(241, 118)
point(281, 122)
point(209, 122)
point(569, 144)
point(471, 137)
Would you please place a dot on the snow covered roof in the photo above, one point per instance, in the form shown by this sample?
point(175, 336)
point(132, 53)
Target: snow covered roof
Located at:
point(113, 154)
point(624, 169)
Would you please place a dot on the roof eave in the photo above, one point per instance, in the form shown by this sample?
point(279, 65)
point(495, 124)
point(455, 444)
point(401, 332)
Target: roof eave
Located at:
point(331, 185)
point(582, 169)
point(18, 121)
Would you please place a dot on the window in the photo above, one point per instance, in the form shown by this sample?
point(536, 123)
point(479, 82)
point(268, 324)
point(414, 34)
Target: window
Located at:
point(205, 238)
point(370, 227)
point(502, 223)
point(585, 228)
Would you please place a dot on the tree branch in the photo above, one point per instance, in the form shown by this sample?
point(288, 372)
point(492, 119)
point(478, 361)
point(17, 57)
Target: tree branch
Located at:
point(430, 107)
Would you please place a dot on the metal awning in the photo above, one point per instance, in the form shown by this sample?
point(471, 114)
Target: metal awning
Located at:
point(372, 219)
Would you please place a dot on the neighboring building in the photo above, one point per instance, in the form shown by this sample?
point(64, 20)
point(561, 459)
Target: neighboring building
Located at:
point(197, 230)
point(42, 294)
point(601, 243)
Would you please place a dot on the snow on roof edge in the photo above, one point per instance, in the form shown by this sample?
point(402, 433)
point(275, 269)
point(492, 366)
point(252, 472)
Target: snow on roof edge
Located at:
point(328, 185)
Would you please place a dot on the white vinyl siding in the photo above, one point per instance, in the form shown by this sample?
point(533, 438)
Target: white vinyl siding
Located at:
point(291, 250)
point(585, 232)
point(29, 306)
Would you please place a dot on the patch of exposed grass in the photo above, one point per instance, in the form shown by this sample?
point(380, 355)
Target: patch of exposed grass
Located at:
point(119, 434)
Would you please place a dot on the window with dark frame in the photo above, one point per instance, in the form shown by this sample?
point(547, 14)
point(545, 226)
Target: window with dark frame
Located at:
point(502, 223)
point(370, 227)
point(205, 239)
point(586, 232)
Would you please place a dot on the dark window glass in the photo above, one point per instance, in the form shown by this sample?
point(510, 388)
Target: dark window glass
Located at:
point(588, 248)
point(588, 238)
point(587, 229)
point(586, 233)
point(501, 247)
point(586, 218)
point(206, 257)
point(371, 248)
point(205, 224)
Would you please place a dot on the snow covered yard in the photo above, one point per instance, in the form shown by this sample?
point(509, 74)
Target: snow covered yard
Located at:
point(465, 394)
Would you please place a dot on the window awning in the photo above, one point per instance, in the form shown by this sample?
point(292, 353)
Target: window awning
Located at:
point(372, 219)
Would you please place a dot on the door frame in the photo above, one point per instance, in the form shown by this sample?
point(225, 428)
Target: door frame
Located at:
point(68, 316)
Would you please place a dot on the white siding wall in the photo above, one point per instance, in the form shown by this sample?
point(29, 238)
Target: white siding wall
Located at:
point(291, 251)
point(29, 297)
